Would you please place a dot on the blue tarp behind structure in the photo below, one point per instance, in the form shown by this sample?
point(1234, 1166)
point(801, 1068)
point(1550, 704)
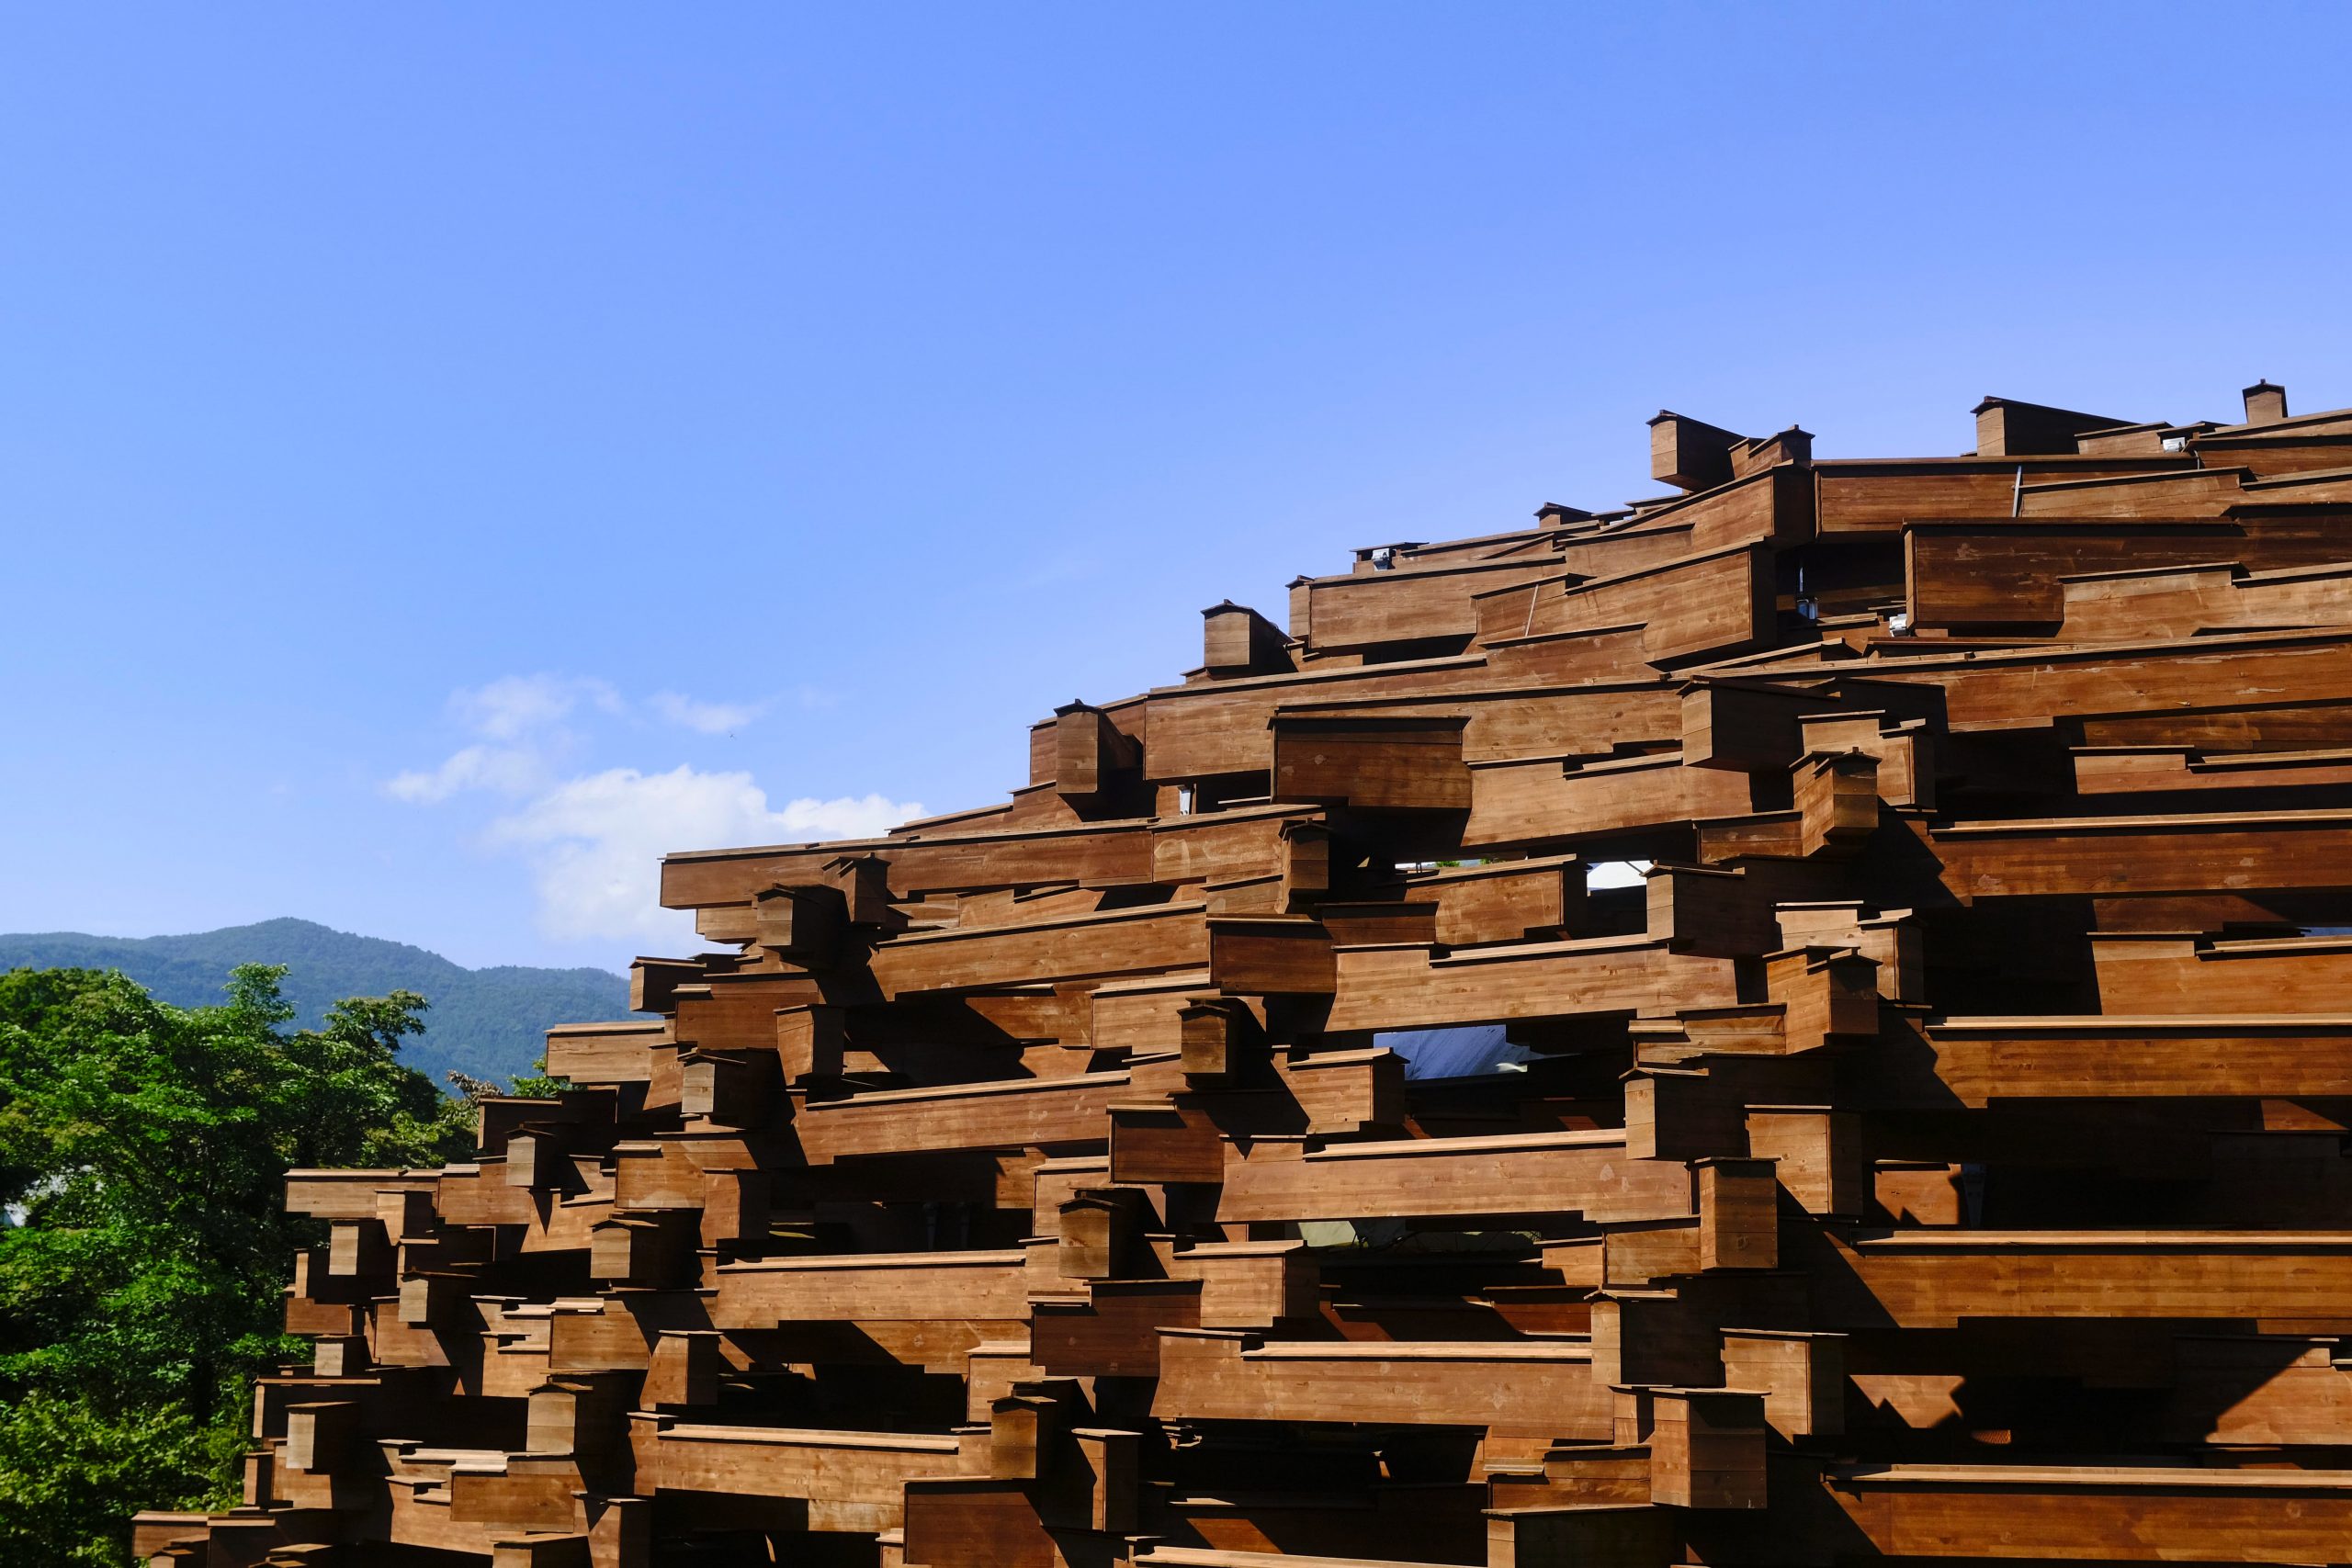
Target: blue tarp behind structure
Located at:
point(1459, 1052)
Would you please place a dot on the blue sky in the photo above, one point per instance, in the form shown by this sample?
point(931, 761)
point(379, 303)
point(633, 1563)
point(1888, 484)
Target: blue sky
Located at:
point(449, 454)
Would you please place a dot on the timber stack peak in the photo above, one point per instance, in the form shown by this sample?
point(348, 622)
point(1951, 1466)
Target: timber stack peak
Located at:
point(1806, 1019)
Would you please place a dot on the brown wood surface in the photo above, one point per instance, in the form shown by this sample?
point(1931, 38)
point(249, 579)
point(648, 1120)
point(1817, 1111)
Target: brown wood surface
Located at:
point(1548, 1388)
point(1260, 1135)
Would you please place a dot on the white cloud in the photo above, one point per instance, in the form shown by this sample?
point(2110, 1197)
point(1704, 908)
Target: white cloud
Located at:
point(520, 719)
point(709, 718)
point(596, 843)
point(509, 770)
point(513, 705)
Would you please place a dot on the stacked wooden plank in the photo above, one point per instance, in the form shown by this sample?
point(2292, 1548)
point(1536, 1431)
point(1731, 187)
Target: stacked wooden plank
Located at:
point(1803, 1021)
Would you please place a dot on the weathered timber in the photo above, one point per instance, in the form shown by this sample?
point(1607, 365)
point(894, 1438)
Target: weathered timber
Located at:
point(1806, 1019)
point(1536, 1387)
point(1587, 1174)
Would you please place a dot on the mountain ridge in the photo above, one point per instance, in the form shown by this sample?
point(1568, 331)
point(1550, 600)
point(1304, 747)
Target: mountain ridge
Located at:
point(489, 1022)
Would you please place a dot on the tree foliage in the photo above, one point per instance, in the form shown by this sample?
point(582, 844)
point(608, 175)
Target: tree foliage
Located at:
point(489, 1022)
point(142, 1154)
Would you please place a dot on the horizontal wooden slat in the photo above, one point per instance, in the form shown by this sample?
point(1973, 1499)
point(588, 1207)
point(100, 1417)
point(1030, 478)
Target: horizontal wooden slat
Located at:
point(1589, 1174)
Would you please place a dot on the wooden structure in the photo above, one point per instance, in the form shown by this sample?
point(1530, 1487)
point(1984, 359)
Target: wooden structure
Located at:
point(1803, 1021)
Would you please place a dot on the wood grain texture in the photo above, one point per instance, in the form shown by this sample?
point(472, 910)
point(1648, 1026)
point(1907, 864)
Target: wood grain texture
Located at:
point(1804, 1021)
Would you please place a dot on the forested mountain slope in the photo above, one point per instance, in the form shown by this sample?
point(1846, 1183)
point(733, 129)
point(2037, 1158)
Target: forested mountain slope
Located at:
point(488, 1022)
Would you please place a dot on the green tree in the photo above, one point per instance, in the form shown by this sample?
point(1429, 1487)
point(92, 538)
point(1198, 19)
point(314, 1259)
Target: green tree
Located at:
point(145, 1246)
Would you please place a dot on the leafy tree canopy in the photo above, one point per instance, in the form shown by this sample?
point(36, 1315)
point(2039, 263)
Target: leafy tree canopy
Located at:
point(489, 1022)
point(143, 1237)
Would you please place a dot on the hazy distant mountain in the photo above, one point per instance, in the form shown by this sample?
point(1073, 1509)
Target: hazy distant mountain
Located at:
point(489, 1022)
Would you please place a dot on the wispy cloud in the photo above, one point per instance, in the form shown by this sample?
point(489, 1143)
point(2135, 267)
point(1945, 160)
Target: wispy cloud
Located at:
point(707, 718)
point(515, 706)
point(523, 737)
point(508, 770)
point(594, 841)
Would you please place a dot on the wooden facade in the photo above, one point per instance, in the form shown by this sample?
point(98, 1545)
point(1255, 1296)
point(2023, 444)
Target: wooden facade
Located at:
point(1805, 1021)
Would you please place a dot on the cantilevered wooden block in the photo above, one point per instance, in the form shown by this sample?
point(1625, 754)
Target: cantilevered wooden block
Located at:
point(734, 1208)
point(653, 1174)
point(640, 1252)
point(579, 1414)
point(2303, 1055)
point(733, 1091)
point(1817, 1154)
point(1639, 1255)
point(1211, 1032)
point(1120, 940)
point(1522, 1386)
point(1714, 910)
point(431, 1301)
point(1009, 1113)
point(809, 1040)
point(1251, 1284)
point(1905, 750)
point(407, 1214)
point(339, 1355)
point(1343, 1093)
point(1749, 725)
point(986, 1284)
point(2088, 1511)
point(1802, 1375)
point(606, 1054)
point(550, 1551)
point(1237, 640)
point(1269, 955)
point(1649, 1337)
point(651, 981)
point(1372, 763)
point(1023, 1431)
point(303, 1554)
point(1507, 900)
point(2126, 440)
point(803, 924)
point(1690, 453)
point(620, 1532)
point(1892, 940)
point(1091, 755)
point(1110, 1464)
point(1738, 1208)
point(2007, 428)
point(1161, 1141)
point(1919, 1277)
point(1838, 803)
point(535, 1159)
point(1305, 857)
point(864, 882)
point(1379, 922)
point(684, 1368)
point(1706, 1448)
point(1756, 452)
point(1588, 1172)
point(582, 1112)
point(1592, 1535)
point(1101, 1234)
point(1681, 1113)
point(356, 1248)
point(1827, 993)
point(319, 1436)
